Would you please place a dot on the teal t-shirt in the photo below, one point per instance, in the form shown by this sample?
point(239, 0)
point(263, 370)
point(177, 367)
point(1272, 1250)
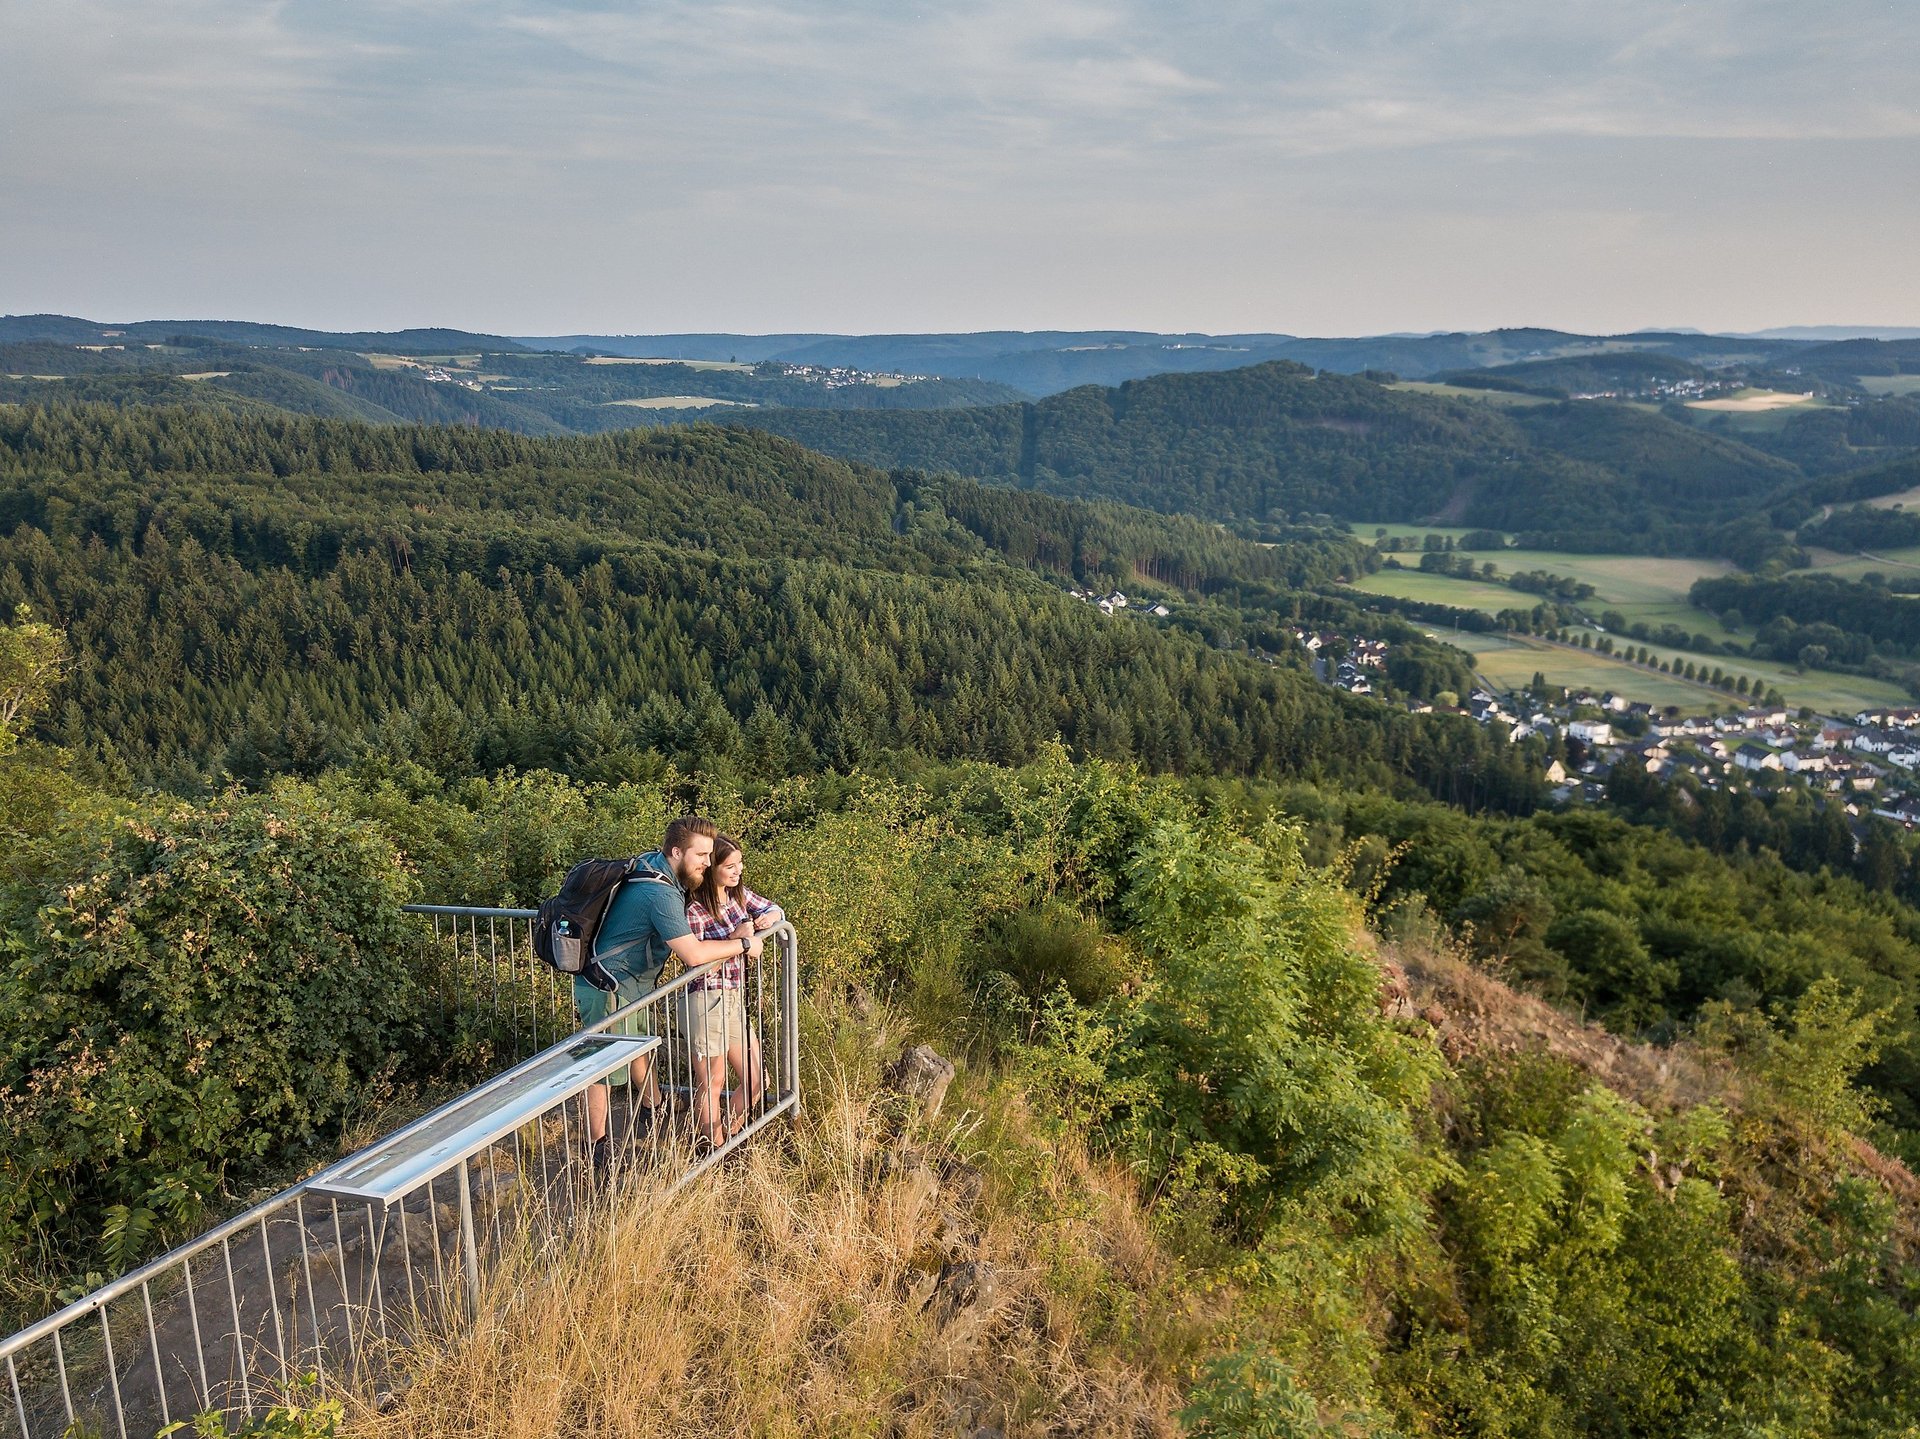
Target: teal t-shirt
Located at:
point(650, 913)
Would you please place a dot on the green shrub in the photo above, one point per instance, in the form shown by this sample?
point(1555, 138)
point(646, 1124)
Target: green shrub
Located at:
point(1053, 946)
point(212, 984)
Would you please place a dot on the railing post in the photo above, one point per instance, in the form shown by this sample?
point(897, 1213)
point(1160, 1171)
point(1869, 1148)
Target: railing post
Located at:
point(469, 1250)
point(791, 1003)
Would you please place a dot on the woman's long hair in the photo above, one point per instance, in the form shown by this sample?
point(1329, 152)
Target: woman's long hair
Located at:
point(711, 894)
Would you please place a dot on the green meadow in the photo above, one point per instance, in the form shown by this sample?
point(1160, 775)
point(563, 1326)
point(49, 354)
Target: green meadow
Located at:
point(1890, 384)
point(1650, 590)
point(1467, 392)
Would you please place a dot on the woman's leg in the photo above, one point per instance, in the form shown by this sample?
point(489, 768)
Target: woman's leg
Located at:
point(709, 1079)
point(704, 1027)
point(743, 1053)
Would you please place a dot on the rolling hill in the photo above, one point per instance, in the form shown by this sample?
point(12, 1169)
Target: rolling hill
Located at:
point(434, 382)
point(1262, 444)
point(1044, 362)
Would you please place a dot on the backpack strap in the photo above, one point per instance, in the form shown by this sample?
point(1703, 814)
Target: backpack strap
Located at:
point(639, 874)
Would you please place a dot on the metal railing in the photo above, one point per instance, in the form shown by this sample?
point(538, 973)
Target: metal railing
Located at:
point(308, 1282)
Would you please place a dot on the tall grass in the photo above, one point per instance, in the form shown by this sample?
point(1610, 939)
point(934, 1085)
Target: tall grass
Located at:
point(799, 1292)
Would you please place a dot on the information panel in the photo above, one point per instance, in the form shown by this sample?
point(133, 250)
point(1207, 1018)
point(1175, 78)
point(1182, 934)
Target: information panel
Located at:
point(387, 1171)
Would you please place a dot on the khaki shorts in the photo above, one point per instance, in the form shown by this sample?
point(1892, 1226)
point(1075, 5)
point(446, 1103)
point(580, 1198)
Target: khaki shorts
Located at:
point(711, 1019)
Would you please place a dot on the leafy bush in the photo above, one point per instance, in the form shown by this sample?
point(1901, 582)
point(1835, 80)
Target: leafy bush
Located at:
point(1053, 947)
point(211, 984)
point(1255, 1077)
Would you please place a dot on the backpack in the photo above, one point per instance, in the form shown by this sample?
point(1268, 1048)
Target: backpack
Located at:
point(567, 927)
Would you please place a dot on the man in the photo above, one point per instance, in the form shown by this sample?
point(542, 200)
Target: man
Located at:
point(645, 923)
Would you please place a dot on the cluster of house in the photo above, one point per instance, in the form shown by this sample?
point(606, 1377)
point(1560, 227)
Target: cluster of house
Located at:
point(1113, 601)
point(1868, 765)
point(1686, 389)
point(835, 377)
point(440, 376)
point(1872, 764)
point(1344, 661)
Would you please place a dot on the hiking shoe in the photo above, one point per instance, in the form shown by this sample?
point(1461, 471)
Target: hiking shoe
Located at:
point(646, 1118)
point(602, 1162)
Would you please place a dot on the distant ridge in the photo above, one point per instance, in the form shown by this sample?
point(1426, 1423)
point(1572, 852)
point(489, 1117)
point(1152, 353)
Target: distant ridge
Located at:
point(71, 330)
point(1838, 332)
point(1047, 362)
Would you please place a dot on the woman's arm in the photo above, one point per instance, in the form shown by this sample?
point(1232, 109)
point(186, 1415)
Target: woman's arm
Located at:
point(763, 911)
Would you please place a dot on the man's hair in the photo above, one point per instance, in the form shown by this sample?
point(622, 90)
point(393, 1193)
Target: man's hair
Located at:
point(684, 829)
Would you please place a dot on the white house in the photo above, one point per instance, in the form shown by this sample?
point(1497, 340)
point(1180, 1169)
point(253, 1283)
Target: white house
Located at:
point(1591, 731)
point(1751, 756)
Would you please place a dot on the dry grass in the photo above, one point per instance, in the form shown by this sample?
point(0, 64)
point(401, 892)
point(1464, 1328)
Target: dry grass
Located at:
point(1476, 1013)
point(1748, 402)
point(843, 1278)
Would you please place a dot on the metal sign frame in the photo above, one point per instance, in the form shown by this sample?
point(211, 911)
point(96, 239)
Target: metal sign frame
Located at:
point(401, 1163)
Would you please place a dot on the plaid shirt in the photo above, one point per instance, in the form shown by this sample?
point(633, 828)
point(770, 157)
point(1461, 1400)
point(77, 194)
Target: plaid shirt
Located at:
point(732, 973)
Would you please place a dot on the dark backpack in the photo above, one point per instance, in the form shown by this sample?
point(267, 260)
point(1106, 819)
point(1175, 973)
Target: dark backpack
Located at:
point(567, 929)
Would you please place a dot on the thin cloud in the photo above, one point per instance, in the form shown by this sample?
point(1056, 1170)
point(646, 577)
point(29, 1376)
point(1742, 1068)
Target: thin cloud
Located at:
point(1031, 162)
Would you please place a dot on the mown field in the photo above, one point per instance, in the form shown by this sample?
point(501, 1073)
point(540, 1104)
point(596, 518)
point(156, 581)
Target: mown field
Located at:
point(1467, 392)
point(1644, 588)
point(1442, 589)
point(1852, 567)
point(1649, 590)
point(1511, 661)
point(1899, 500)
point(1890, 384)
point(1753, 411)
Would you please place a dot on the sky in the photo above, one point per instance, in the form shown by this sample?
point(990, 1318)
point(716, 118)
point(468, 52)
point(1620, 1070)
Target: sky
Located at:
point(1333, 167)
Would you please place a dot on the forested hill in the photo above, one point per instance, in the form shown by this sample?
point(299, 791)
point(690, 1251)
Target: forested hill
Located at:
point(252, 596)
point(431, 377)
point(1274, 440)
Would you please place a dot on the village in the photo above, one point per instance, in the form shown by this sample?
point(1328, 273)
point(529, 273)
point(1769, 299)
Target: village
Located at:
point(1867, 764)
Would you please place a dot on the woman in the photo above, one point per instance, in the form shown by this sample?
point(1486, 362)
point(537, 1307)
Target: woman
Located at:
point(712, 1008)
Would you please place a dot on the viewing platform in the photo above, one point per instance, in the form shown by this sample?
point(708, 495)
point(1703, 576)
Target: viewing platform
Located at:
point(395, 1240)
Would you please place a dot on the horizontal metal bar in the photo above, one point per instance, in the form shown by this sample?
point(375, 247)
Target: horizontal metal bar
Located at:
point(469, 910)
point(773, 1111)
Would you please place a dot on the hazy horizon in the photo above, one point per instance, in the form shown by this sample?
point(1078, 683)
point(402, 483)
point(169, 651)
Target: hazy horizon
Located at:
point(575, 168)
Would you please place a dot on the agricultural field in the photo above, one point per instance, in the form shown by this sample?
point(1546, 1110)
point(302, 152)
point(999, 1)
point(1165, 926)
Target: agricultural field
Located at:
point(740, 365)
point(1853, 566)
point(1897, 501)
point(1467, 392)
point(1511, 661)
point(1748, 402)
point(1754, 410)
point(1822, 690)
point(1650, 590)
point(1411, 584)
point(380, 360)
point(1890, 384)
point(681, 402)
